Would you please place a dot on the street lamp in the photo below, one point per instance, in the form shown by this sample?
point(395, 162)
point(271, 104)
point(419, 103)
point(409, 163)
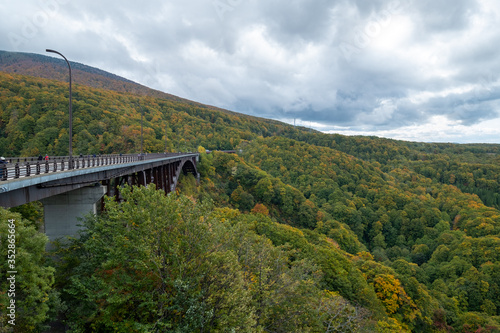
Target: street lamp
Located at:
point(142, 117)
point(142, 138)
point(70, 166)
point(166, 127)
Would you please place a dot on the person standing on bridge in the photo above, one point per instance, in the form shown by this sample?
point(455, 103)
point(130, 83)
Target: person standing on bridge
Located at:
point(46, 157)
point(3, 168)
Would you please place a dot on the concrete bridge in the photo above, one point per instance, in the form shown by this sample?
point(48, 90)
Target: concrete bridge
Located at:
point(69, 189)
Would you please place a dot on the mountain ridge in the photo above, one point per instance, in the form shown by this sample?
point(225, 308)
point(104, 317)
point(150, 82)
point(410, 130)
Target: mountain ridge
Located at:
point(52, 68)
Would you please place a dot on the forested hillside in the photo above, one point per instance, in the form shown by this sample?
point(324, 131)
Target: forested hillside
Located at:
point(473, 168)
point(33, 120)
point(300, 231)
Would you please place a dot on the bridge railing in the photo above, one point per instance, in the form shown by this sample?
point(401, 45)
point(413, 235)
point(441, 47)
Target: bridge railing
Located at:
point(17, 167)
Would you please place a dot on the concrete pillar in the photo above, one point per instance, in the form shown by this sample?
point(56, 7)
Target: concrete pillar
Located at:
point(61, 212)
point(116, 193)
point(164, 175)
point(142, 178)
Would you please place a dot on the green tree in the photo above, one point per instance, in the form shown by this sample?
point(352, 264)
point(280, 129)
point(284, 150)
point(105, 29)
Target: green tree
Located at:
point(22, 249)
point(155, 262)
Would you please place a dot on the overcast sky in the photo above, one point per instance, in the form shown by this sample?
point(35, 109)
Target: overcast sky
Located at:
point(419, 70)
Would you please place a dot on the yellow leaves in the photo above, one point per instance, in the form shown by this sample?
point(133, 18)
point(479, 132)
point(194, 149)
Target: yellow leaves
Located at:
point(391, 325)
point(392, 294)
point(365, 255)
point(330, 293)
point(254, 279)
point(292, 229)
point(225, 213)
point(474, 204)
point(484, 286)
point(387, 290)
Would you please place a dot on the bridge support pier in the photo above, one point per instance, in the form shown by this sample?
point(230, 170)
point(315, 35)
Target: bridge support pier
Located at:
point(62, 211)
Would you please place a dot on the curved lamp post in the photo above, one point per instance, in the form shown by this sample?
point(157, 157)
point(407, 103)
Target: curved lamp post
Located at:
point(142, 140)
point(70, 166)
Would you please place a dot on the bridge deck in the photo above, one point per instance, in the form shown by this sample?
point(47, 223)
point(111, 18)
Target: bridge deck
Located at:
point(41, 180)
point(19, 167)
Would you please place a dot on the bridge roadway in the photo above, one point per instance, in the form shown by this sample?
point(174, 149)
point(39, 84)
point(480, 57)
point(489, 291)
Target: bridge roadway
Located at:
point(29, 179)
point(68, 195)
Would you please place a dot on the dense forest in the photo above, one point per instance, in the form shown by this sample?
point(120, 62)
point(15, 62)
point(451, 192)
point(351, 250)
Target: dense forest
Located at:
point(300, 231)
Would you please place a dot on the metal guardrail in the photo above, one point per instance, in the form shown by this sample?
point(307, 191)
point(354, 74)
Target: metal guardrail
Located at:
point(17, 167)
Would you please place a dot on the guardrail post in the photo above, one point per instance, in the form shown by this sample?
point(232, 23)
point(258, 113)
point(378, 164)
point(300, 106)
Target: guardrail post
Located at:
point(46, 166)
point(54, 167)
point(28, 169)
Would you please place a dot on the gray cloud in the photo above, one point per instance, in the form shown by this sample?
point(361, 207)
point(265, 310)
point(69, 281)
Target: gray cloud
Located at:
point(373, 66)
point(445, 15)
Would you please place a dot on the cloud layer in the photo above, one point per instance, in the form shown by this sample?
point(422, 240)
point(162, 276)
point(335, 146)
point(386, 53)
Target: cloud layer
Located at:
point(378, 67)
